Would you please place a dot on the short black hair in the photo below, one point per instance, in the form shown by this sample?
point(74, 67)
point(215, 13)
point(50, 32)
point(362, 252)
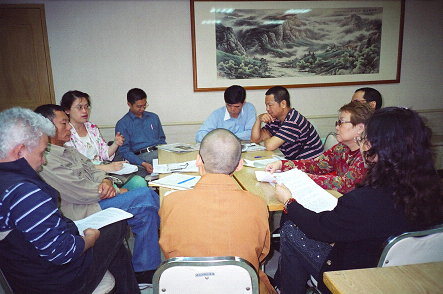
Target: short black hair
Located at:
point(371, 94)
point(280, 93)
point(70, 96)
point(135, 95)
point(235, 94)
point(48, 110)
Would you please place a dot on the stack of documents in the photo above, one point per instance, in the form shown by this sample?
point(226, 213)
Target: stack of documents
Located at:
point(185, 167)
point(177, 181)
point(179, 147)
point(303, 189)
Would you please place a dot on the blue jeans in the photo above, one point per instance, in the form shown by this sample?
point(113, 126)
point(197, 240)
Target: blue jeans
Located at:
point(143, 203)
point(300, 258)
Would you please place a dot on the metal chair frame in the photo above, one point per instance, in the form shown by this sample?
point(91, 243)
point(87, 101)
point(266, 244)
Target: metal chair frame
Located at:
point(394, 240)
point(206, 262)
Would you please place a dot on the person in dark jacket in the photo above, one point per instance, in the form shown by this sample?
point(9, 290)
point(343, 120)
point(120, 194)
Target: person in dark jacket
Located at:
point(41, 251)
point(401, 192)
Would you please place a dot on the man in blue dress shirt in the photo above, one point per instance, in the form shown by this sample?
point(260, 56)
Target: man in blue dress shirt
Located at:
point(238, 116)
point(142, 131)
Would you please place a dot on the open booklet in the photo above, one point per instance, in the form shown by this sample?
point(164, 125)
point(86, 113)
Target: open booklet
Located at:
point(303, 189)
point(101, 219)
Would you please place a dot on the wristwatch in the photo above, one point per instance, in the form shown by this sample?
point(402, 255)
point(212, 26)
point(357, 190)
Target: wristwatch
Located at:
point(109, 178)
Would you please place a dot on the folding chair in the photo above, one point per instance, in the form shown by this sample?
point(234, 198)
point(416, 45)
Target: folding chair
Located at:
point(215, 275)
point(413, 247)
point(330, 140)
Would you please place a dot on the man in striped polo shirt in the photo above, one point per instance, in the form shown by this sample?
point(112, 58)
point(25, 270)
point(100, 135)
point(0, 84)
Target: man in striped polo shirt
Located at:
point(285, 128)
point(41, 251)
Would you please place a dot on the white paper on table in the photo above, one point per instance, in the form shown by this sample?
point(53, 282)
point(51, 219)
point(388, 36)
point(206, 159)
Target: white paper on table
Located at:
point(177, 181)
point(126, 169)
point(306, 191)
point(251, 147)
point(101, 219)
point(186, 167)
point(263, 176)
point(169, 192)
point(179, 147)
point(260, 163)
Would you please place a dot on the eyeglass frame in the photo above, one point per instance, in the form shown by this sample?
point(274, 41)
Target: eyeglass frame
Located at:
point(81, 107)
point(339, 122)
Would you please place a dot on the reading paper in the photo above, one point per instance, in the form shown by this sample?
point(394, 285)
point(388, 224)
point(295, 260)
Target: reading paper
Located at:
point(101, 219)
point(303, 189)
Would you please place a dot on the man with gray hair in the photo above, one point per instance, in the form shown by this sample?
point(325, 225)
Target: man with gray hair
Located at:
point(217, 218)
point(41, 251)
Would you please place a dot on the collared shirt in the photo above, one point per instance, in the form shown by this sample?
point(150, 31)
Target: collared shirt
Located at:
point(139, 133)
point(220, 118)
point(76, 178)
point(301, 139)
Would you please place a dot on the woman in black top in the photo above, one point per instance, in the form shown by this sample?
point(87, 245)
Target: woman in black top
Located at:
point(401, 192)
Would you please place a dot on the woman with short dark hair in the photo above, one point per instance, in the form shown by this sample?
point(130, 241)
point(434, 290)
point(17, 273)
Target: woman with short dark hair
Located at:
point(401, 192)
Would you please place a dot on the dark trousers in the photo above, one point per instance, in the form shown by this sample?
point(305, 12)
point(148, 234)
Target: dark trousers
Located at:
point(301, 257)
point(109, 253)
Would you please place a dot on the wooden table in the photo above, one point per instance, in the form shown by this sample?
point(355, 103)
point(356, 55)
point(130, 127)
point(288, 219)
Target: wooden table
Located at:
point(245, 177)
point(165, 157)
point(247, 180)
point(407, 279)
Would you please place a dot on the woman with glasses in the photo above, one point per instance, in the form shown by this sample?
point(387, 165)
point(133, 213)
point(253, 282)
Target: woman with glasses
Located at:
point(401, 192)
point(340, 167)
point(85, 136)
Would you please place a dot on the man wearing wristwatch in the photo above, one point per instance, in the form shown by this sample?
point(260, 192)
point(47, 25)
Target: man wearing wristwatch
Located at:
point(84, 190)
point(142, 131)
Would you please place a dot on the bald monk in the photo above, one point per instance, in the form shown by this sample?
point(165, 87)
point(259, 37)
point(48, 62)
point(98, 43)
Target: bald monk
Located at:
point(217, 218)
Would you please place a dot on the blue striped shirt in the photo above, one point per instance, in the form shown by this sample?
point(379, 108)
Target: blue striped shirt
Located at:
point(25, 207)
point(301, 139)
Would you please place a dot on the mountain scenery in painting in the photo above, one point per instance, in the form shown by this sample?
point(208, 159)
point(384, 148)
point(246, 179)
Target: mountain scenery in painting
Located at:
point(263, 43)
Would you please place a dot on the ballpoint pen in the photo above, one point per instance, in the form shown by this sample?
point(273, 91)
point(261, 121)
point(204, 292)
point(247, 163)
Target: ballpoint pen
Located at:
point(184, 181)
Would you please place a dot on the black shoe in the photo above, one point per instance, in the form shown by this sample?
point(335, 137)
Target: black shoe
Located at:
point(144, 279)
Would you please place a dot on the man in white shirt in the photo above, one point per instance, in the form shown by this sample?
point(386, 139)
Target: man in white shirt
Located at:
point(237, 116)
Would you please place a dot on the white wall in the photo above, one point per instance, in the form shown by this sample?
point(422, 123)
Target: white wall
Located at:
point(105, 48)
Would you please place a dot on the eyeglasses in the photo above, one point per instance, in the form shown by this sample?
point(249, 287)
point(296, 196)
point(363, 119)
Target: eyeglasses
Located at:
point(340, 122)
point(82, 107)
point(141, 106)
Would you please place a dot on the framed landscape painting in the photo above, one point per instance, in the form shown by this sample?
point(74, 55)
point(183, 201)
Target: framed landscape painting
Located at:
point(258, 44)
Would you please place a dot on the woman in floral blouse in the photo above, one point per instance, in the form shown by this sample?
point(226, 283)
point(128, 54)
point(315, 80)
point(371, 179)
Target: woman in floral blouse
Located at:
point(342, 166)
point(85, 136)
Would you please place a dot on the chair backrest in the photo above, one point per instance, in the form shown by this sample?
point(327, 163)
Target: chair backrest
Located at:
point(413, 247)
point(4, 285)
point(330, 141)
point(215, 275)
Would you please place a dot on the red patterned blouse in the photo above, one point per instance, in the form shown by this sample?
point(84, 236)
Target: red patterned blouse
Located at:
point(338, 168)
